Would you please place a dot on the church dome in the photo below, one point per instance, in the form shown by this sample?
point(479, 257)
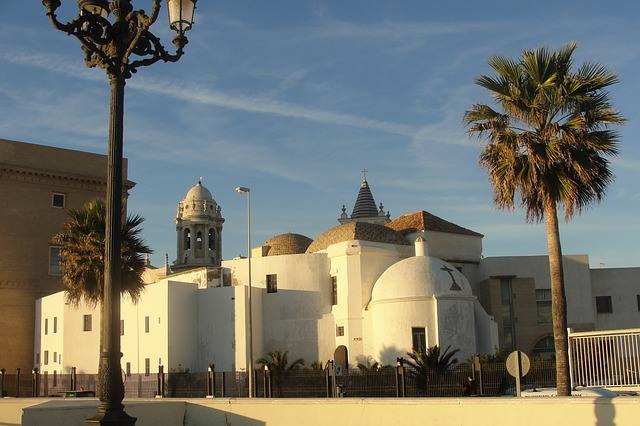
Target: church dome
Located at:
point(198, 193)
point(420, 276)
point(356, 231)
point(286, 244)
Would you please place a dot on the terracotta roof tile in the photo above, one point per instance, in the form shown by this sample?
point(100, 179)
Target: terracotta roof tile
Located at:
point(422, 220)
point(356, 231)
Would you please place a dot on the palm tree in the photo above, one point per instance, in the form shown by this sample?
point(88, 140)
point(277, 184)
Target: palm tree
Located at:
point(548, 145)
point(82, 257)
point(432, 362)
point(278, 363)
point(82, 254)
point(370, 364)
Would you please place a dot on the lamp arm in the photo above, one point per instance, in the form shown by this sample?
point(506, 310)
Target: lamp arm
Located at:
point(149, 44)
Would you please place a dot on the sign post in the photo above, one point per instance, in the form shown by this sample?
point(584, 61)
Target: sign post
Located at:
point(518, 365)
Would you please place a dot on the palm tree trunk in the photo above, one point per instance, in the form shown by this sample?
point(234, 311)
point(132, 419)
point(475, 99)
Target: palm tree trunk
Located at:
point(558, 301)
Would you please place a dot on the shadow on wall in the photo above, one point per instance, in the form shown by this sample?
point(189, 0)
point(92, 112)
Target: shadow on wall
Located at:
point(148, 413)
point(605, 412)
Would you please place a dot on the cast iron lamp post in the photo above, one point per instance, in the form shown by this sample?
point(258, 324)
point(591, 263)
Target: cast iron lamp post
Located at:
point(120, 45)
point(245, 190)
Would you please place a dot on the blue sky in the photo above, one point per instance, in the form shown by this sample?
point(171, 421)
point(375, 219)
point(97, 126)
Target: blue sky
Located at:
point(294, 98)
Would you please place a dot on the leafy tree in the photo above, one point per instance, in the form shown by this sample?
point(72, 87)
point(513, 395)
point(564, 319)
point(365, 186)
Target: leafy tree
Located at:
point(548, 146)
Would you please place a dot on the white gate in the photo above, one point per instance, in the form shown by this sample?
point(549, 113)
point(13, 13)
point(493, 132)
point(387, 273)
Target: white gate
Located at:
point(605, 358)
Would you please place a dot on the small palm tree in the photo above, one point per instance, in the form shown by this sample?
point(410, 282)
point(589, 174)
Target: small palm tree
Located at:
point(548, 146)
point(432, 363)
point(370, 364)
point(316, 366)
point(278, 363)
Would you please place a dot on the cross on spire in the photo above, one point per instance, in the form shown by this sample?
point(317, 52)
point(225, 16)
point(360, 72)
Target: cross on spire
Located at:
point(364, 174)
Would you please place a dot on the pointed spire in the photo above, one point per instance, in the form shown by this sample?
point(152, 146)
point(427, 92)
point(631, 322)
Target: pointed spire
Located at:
point(365, 205)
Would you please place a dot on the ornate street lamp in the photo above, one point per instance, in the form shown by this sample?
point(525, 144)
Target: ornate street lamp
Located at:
point(116, 38)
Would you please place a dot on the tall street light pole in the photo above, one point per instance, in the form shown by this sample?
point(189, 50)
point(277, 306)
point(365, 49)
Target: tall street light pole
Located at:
point(116, 38)
point(245, 190)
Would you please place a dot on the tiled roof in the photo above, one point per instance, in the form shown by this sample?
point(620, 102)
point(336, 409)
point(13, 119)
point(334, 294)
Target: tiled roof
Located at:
point(286, 244)
point(422, 220)
point(356, 231)
point(365, 205)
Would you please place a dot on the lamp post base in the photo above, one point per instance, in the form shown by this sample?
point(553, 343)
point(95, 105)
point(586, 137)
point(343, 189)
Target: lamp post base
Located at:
point(112, 418)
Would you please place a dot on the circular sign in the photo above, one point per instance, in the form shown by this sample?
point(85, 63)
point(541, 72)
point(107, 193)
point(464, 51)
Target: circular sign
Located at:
point(512, 363)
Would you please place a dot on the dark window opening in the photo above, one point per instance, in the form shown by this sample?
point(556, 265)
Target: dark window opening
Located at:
point(604, 305)
point(340, 331)
point(146, 324)
point(212, 239)
point(87, 322)
point(122, 327)
point(187, 239)
point(199, 240)
point(272, 283)
point(147, 366)
point(57, 200)
point(334, 291)
point(419, 339)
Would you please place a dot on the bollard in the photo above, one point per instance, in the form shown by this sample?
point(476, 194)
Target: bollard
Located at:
point(17, 383)
point(477, 375)
point(401, 383)
point(46, 383)
point(211, 381)
point(265, 373)
point(35, 382)
point(160, 390)
point(73, 379)
point(2, 370)
point(223, 386)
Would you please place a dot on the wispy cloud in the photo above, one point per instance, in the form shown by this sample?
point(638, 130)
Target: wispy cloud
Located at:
point(203, 95)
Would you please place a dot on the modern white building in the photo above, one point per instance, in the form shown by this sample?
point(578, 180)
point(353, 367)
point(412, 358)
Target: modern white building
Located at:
point(372, 286)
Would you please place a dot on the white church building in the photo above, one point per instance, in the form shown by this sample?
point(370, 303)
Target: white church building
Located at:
point(377, 291)
point(374, 286)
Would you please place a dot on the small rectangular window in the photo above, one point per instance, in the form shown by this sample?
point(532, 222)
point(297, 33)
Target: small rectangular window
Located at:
point(146, 324)
point(604, 305)
point(122, 327)
point(543, 305)
point(55, 357)
point(272, 283)
point(55, 324)
point(60, 359)
point(46, 357)
point(54, 261)
point(87, 322)
point(58, 200)
point(46, 326)
point(419, 339)
point(147, 366)
point(334, 291)
point(340, 331)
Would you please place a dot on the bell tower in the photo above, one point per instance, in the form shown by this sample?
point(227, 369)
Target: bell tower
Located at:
point(199, 229)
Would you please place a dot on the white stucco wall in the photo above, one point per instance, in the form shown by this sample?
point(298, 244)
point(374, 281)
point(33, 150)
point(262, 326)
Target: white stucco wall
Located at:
point(216, 336)
point(456, 326)
point(391, 322)
point(81, 348)
point(576, 274)
point(623, 285)
point(450, 247)
point(51, 342)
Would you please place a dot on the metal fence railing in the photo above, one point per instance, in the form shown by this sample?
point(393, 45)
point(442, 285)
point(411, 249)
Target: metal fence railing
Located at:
point(605, 358)
point(491, 379)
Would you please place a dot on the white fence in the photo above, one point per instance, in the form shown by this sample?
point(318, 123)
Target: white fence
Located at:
point(605, 358)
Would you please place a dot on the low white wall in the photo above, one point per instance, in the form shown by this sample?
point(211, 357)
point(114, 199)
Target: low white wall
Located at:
point(348, 411)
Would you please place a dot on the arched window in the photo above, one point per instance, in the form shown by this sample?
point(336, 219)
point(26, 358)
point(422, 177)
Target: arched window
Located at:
point(199, 240)
point(544, 348)
point(187, 239)
point(212, 239)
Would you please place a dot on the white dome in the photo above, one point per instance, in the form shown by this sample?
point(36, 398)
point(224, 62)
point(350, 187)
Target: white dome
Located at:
point(198, 193)
point(420, 276)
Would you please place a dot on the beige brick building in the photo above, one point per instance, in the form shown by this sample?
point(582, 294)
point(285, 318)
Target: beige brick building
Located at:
point(38, 184)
